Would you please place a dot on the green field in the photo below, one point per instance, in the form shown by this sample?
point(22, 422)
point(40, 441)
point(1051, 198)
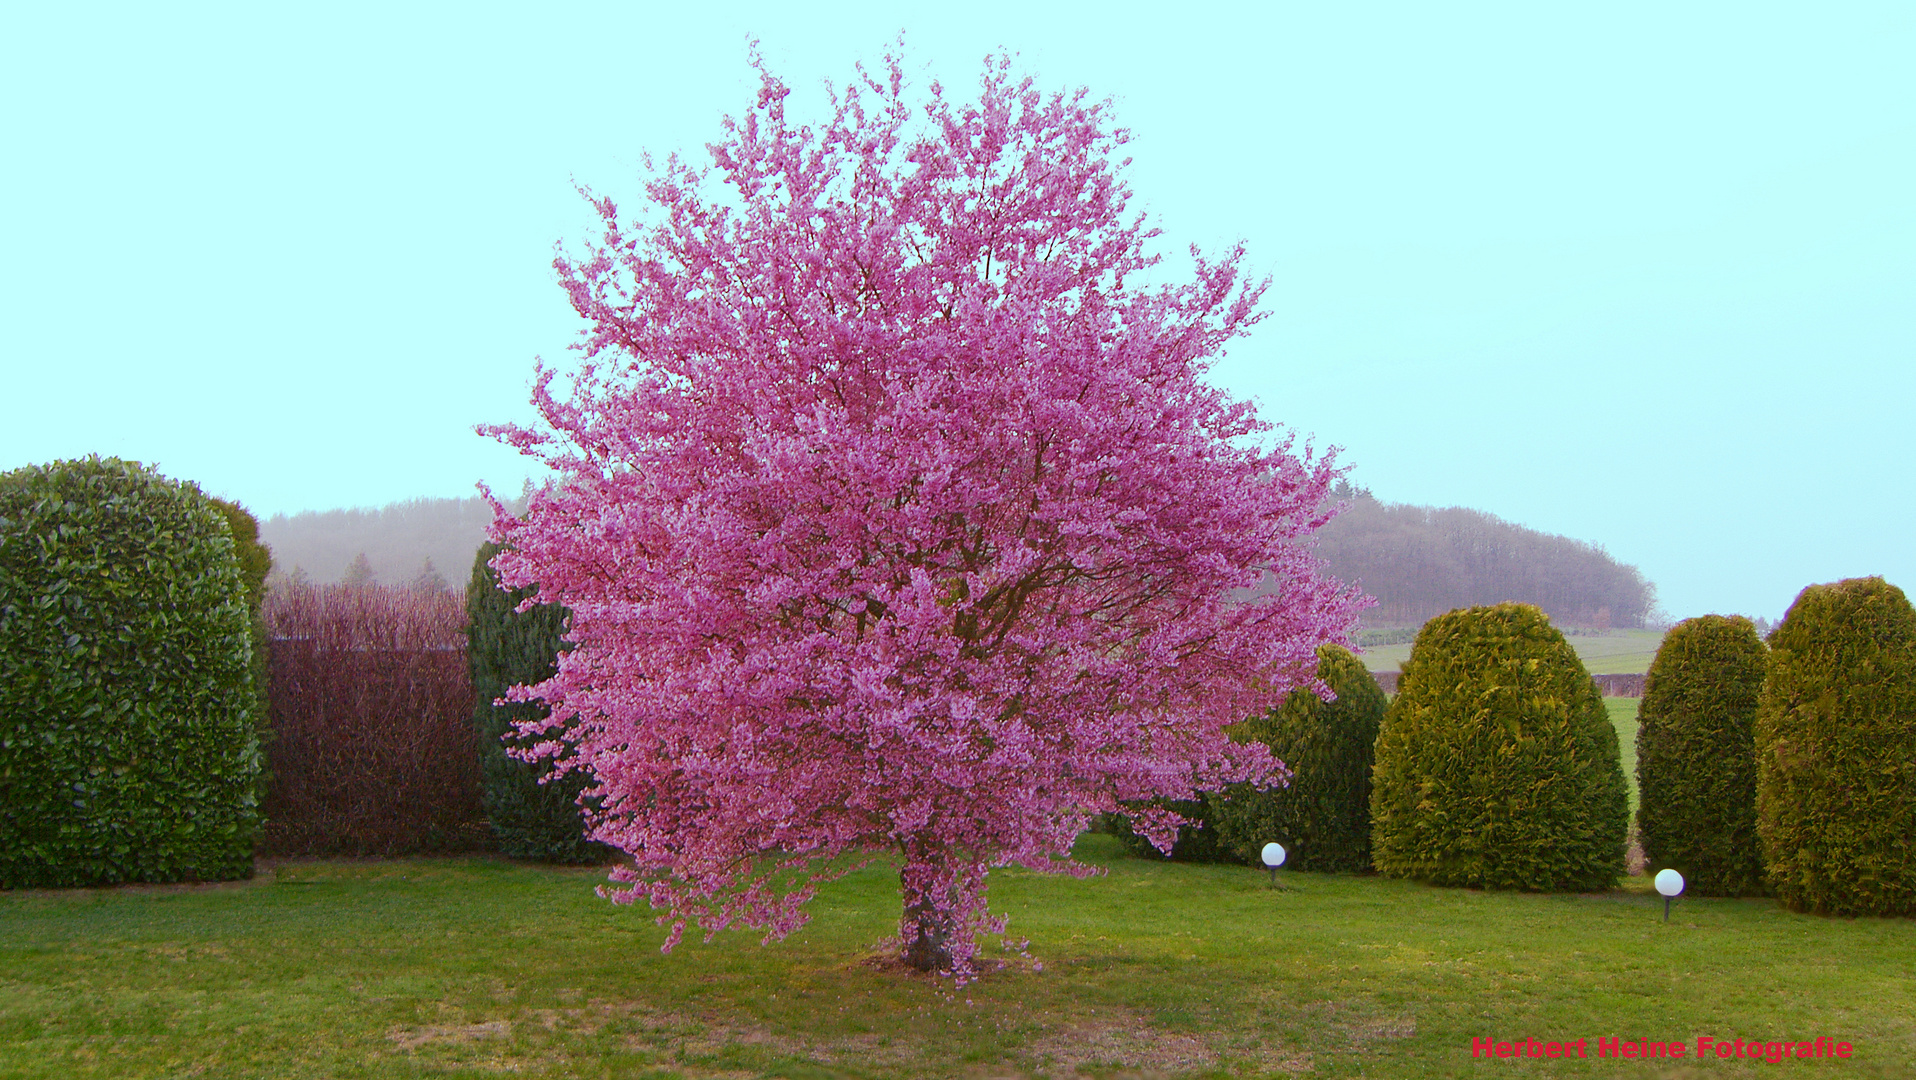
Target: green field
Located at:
point(481, 967)
point(1615, 652)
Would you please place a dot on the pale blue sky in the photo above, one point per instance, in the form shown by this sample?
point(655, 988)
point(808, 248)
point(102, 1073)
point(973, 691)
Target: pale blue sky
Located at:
point(1643, 275)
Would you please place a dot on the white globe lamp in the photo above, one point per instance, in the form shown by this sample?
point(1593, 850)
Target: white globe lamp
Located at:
point(1273, 857)
point(1670, 884)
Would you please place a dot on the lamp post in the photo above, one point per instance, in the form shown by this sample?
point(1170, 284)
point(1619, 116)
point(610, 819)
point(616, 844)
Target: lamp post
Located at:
point(1274, 858)
point(1669, 883)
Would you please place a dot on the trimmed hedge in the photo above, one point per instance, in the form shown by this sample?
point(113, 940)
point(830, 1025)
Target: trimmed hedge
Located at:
point(373, 751)
point(1696, 756)
point(1836, 752)
point(1323, 817)
point(531, 819)
point(128, 750)
point(1497, 766)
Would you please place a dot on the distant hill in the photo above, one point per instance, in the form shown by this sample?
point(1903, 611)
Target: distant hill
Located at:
point(1416, 560)
point(1420, 561)
point(396, 539)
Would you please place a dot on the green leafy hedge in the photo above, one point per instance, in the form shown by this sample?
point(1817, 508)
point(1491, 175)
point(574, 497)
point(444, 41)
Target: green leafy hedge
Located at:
point(1696, 756)
point(1323, 817)
point(1836, 752)
point(531, 820)
point(1497, 765)
point(127, 740)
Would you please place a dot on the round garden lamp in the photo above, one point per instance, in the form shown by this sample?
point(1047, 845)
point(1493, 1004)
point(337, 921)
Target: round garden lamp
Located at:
point(1273, 858)
point(1670, 884)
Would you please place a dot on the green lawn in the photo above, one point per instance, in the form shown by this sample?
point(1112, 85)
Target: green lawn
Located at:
point(478, 967)
point(1618, 652)
point(1623, 714)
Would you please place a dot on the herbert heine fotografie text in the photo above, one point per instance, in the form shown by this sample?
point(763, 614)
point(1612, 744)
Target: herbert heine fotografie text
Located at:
point(1704, 1046)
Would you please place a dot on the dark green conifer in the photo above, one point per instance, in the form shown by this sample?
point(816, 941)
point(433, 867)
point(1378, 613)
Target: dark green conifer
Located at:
point(532, 820)
point(1199, 843)
point(1696, 756)
point(1323, 817)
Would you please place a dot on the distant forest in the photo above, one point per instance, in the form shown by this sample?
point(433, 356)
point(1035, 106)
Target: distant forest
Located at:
point(400, 541)
point(1419, 561)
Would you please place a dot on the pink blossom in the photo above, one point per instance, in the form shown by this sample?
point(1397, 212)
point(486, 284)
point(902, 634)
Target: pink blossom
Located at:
point(896, 518)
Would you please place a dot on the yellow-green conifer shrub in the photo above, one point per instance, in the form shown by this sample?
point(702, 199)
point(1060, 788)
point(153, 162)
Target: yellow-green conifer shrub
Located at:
point(1696, 756)
point(1497, 766)
point(1836, 752)
point(255, 563)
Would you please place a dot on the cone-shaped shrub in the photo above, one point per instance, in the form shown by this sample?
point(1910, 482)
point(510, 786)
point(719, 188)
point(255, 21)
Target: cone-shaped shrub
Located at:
point(1696, 756)
point(255, 558)
point(532, 820)
point(1497, 766)
point(127, 742)
point(1836, 752)
point(255, 563)
point(1323, 817)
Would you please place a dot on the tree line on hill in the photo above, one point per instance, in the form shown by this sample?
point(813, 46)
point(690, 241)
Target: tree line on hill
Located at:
point(1417, 561)
point(419, 542)
point(1420, 562)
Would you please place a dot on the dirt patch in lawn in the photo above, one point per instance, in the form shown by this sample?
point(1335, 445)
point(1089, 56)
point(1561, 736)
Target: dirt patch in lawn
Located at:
point(1120, 1044)
point(414, 1038)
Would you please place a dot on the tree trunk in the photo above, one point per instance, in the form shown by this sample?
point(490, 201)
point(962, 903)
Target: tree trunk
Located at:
point(927, 935)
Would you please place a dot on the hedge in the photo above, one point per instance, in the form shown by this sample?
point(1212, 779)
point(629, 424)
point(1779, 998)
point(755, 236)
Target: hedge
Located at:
point(1323, 817)
point(1696, 756)
point(1836, 752)
point(373, 751)
point(1497, 766)
point(127, 743)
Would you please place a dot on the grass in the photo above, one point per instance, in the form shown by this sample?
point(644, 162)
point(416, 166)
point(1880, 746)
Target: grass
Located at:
point(478, 967)
point(1623, 714)
point(1616, 652)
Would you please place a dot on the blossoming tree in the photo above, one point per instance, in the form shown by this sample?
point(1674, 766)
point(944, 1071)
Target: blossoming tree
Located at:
point(895, 516)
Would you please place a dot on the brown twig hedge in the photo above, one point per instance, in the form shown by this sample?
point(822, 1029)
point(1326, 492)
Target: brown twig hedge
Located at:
point(373, 749)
